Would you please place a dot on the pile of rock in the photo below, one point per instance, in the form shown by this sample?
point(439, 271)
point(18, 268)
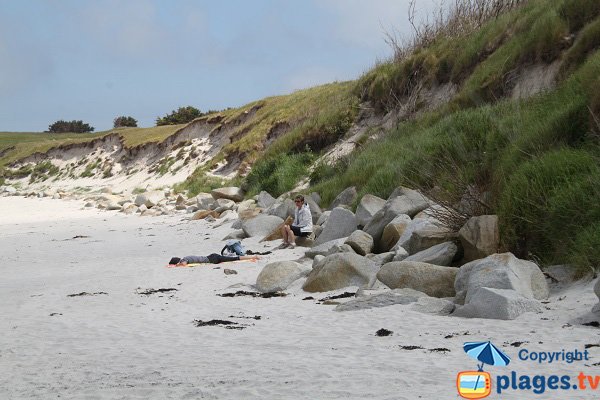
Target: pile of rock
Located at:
point(398, 245)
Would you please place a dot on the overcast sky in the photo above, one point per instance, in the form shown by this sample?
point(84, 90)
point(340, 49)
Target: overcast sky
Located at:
point(97, 59)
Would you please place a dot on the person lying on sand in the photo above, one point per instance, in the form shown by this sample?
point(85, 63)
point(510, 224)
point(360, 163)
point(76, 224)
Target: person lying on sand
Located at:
point(213, 258)
point(301, 227)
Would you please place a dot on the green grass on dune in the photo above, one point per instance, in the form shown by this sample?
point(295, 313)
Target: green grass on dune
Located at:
point(538, 158)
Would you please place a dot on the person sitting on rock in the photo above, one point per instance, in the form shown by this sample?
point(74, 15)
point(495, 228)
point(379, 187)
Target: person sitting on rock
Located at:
point(302, 225)
point(213, 258)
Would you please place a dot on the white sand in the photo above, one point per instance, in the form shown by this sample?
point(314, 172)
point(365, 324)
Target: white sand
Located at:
point(123, 345)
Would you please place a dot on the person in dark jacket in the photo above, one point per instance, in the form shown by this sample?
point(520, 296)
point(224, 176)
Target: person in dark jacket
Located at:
point(213, 258)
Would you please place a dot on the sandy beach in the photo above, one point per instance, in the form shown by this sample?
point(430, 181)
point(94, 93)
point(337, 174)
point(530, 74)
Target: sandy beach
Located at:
point(113, 342)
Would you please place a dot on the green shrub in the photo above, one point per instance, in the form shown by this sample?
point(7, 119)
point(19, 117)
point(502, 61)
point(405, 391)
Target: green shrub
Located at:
point(578, 12)
point(200, 181)
point(279, 174)
point(587, 41)
point(182, 115)
point(70, 126)
point(537, 206)
point(124, 121)
point(584, 251)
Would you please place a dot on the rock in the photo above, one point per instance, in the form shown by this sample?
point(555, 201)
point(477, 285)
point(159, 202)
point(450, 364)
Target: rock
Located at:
point(341, 270)
point(228, 271)
point(264, 200)
point(409, 204)
point(112, 206)
point(247, 214)
point(142, 208)
point(203, 214)
point(305, 242)
point(433, 305)
point(369, 206)
point(341, 223)
point(204, 201)
point(315, 210)
point(237, 234)
point(340, 248)
point(129, 208)
point(149, 199)
point(323, 249)
point(180, 200)
point(315, 196)
point(497, 304)
point(89, 204)
point(191, 209)
point(597, 288)
point(382, 258)
point(399, 253)
point(277, 276)
point(323, 218)
point(388, 298)
point(10, 190)
point(246, 205)
point(480, 237)
point(210, 218)
point(500, 271)
point(223, 205)
point(422, 234)
point(261, 225)
point(440, 254)
point(317, 230)
point(393, 231)
point(228, 215)
point(565, 275)
point(412, 195)
point(276, 232)
point(346, 197)
point(430, 279)
point(282, 209)
point(232, 193)
point(361, 242)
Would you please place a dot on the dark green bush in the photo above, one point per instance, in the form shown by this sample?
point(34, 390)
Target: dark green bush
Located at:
point(578, 12)
point(123, 121)
point(70, 126)
point(182, 115)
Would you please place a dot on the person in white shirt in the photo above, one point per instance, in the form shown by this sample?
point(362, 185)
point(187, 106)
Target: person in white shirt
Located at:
point(302, 225)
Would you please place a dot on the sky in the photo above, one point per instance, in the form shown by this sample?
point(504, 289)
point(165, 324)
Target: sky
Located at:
point(95, 60)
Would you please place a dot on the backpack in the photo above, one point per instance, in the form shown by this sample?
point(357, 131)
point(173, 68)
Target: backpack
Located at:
point(233, 247)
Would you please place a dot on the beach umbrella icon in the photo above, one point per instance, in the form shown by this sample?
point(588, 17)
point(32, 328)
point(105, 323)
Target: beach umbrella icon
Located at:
point(487, 353)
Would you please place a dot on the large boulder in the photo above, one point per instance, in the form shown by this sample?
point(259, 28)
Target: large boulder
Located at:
point(433, 305)
point(149, 199)
point(276, 233)
point(261, 225)
point(223, 205)
point(500, 271)
point(340, 248)
point(282, 209)
point(246, 205)
point(202, 214)
point(315, 210)
point(341, 270)
point(430, 279)
point(421, 234)
point(361, 242)
point(381, 258)
point(497, 304)
point(596, 308)
point(340, 223)
point(388, 298)
point(480, 237)
point(393, 231)
point(440, 254)
point(265, 200)
point(232, 193)
point(367, 208)
point(204, 201)
point(345, 198)
point(409, 203)
point(323, 218)
point(324, 248)
point(277, 276)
